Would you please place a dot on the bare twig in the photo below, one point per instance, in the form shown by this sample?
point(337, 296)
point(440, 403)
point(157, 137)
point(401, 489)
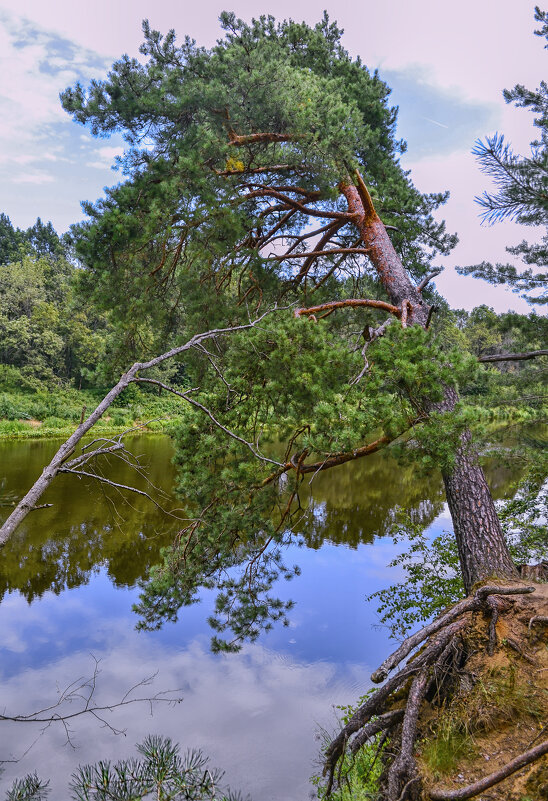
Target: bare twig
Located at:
point(82, 692)
point(206, 411)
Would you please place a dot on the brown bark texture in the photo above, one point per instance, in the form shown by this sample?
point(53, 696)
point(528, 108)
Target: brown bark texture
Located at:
point(483, 552)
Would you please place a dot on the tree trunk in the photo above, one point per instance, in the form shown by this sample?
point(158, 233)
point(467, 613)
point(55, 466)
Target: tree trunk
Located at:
point(483, 552)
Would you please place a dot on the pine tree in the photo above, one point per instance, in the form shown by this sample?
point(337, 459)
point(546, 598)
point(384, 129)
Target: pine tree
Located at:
point(522, 192)
point(244, 189)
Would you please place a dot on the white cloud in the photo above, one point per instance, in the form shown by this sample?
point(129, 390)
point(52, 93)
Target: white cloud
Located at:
point(33, 178)
point(469, 52)
point(228, 705)
point(105, 157)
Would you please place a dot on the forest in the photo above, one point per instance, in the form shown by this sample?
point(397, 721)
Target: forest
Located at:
point(260, 287)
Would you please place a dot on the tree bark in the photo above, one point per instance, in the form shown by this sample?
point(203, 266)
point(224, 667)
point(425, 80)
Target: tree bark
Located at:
point(483, 552)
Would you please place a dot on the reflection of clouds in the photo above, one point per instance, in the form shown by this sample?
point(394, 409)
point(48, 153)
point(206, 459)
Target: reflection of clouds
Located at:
point(254, 713)
point(41, 620)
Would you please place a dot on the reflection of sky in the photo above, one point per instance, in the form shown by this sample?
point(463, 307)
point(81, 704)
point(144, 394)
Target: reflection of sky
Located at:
point(256, 713)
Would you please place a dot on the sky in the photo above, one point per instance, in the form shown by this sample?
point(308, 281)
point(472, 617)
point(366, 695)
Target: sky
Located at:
point(447, 64)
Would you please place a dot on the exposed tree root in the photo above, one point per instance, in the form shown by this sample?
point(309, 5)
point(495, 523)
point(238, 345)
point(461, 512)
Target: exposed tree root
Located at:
point(494, 778)
point(432, 678)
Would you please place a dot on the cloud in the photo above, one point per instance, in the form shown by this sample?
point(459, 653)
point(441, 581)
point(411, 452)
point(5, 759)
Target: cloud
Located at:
point(105, 157)
point(36, 64)
point(454, 122)
point(447, 76)
point(33, 178)
point(228, 705)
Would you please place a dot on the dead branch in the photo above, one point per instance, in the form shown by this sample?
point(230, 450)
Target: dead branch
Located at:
point(405, 309)
point(290, 203)
point(370, 213)
point(81, 692)
point(330, 230)
point(474, 789)
point(310, 194)
point(30, 500)
point(238, 140)
point(116, 485)
point(85, 457)
point(349, 303)
point(256, 170)
point(317, 253)
point(513, 357)
point(427, 278)
point(345, 456)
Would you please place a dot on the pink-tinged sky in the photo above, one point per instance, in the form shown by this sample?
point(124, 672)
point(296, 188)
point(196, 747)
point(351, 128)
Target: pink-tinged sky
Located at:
point(446, 62)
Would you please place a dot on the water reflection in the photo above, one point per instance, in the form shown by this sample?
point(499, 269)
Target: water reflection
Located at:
point(89, 526)
point(255, 713)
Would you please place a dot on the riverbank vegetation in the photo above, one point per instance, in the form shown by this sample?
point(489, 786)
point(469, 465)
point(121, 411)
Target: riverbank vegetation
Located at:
point(277, 236)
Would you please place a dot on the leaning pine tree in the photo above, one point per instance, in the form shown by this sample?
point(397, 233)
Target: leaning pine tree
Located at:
point(264, 174)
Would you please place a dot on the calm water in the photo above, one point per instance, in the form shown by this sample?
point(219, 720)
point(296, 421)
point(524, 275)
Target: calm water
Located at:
point(67, 585)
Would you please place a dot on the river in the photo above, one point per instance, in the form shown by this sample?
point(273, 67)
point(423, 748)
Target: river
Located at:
point(68, 580)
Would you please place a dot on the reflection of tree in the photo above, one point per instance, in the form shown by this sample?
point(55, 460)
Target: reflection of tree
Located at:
point(80, 534)
point(358, 503)
point(84, 532)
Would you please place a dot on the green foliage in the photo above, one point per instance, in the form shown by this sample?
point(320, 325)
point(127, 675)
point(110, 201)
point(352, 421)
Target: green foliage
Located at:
point(443, 751)
point(432, 578)
point(30, 788)
point(358, 775)
point(524, 518)
point(288, 391)
point(160, 772)
point(47, 332)
point(177, 246)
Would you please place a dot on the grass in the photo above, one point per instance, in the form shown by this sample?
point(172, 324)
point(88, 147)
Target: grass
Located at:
point(43, 414)
point(358, 776)
point(501, 696)
point(443, 752)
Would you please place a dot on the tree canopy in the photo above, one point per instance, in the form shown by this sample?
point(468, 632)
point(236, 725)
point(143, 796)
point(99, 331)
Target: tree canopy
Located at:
point(234, 154)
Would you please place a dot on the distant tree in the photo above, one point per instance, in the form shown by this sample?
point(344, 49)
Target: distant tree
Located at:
point(44, 240)
point(522, 192)
point(11, 240)
point(47, 330)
